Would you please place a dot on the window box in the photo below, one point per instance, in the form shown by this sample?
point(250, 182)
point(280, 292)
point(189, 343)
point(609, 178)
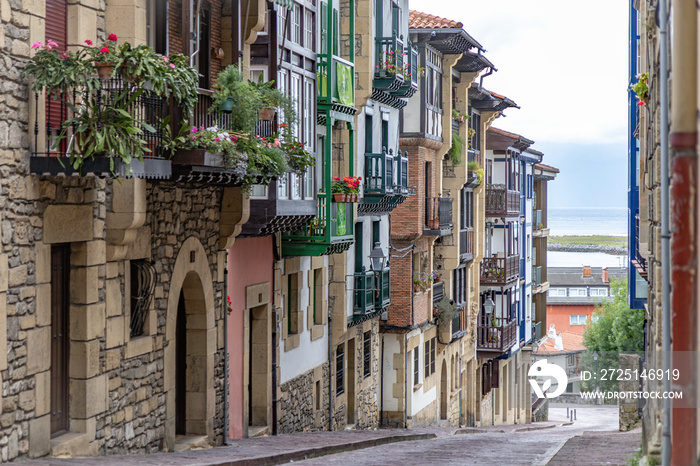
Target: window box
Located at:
point(198, 157)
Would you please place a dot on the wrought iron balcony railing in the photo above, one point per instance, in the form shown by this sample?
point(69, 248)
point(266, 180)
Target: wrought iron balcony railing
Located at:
point(500, 270)
point(438, 213)
point(501, 201)
point(466, 244)
point(495, 335)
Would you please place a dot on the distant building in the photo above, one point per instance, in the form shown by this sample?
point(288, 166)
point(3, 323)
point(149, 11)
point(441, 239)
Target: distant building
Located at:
point(574, 293)
point(563, 349)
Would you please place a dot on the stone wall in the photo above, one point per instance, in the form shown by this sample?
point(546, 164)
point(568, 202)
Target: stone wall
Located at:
point(296, 403)
point(629, 407)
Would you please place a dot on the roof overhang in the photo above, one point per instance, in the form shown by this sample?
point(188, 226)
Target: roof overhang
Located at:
point(447, 40)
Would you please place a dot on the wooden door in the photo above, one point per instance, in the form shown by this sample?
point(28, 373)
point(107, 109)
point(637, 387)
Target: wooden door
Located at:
point(60, 273)
point(181, 368)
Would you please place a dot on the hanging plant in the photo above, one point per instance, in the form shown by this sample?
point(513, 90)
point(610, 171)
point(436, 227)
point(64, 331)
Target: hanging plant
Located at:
point(641, 88)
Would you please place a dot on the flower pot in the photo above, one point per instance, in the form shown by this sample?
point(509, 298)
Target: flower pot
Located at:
point(104, 70)
point(340, 197)
point(266, 114)
point(198, 157)
point(434, 224)
point(227, 105)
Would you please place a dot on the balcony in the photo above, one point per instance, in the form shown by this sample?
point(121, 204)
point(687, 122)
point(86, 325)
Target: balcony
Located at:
point(386, 182)
point(388, 74)
point(382, 298)
point(500, 271)
point(336, 89)
point(539, 230)
point(438, 291)
point(438, 216)
point(372, 293)
point(410, 74)
point(82, 108)
point(502, 202)
point(466, 245)
point(495, 336)
point(330, 231)
point(538, 286)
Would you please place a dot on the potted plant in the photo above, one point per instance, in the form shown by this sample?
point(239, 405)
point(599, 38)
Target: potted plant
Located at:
point(447, 310)
point(347, 189)
point(476, 173)
point(459, 116)
point(457, 148)
point(269, 99)
point(437, 278)
point(641, 88)
point(232, 91)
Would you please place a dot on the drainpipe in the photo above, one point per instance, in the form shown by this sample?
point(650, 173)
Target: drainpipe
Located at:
point(406, 381)
point(226, 358)
point(681, 448)
point(275, 258)
point(381, 386)
point(330, 375)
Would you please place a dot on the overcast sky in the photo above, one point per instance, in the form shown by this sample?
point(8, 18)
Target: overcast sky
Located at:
point(565, 64)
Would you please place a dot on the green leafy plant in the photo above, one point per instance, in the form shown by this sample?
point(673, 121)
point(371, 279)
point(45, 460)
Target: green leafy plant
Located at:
point(459, 116)
point(474, 167)
point(457, 148)
point(641, 88)
point(348, 185)
point(446, 310)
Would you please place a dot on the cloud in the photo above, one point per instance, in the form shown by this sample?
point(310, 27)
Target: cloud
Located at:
point(564, 63)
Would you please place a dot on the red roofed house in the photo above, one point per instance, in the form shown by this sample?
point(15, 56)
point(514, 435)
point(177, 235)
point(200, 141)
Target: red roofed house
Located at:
point(563, 349)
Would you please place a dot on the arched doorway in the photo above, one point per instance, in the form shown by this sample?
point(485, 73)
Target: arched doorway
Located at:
point(444, 390)
point(190, 348)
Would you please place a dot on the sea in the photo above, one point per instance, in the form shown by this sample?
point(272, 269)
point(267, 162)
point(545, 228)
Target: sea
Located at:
point(608, 221)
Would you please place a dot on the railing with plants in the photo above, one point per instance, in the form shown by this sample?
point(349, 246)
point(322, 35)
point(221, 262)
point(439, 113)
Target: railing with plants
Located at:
point(389, 70)
point(502, 201)
point(438, 213)
point(411, 72)
point(466, 242)
point(500, 270)
point(495, 334)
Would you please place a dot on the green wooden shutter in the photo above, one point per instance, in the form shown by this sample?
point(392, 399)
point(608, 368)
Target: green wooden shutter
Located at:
point(335, 32)
point(324, 27)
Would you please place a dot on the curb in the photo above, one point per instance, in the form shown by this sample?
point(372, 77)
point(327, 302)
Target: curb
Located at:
point(322, 451)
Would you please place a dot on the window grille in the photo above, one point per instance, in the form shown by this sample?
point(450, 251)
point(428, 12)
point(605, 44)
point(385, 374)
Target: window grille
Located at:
point(143, 284)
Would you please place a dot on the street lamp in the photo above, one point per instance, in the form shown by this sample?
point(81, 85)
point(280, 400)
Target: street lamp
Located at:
point(377, 259)
point(489, 305)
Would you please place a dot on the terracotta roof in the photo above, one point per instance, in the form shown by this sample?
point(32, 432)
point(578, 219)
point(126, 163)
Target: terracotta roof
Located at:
point(571, 342)
point(547, 167)
point(418, 20)
point(502, 132)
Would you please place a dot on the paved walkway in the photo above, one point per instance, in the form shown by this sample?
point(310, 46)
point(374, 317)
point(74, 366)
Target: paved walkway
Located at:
point(589, 440)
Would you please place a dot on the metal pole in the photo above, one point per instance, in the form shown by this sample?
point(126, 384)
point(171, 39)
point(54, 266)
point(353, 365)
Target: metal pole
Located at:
point(665, 232)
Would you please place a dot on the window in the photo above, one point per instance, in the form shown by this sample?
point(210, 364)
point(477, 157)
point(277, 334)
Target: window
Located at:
point(309, 115)
point(460, 285)
point(571, 360)
point(143, 283)
point(433, 98)
point(467, 213)
point(318, 395)
point(416, 366)
point(556, 292)
point(340, 370)
point(367, 354)
point(577, 319)
point(599, 291)
point(292, 303)
point(309, 29)
point(318, 296)
point(577, 292)
point(529, 186)
point(295, 24)
point(475, 124)
point(429, 357)
point(258, 191)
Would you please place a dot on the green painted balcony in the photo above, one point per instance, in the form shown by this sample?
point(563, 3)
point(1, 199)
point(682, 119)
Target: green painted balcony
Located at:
point(372, 292)
point(410, 73)
point(385, 182)
point(330, 232)
point(389, 70)
point(336, 82)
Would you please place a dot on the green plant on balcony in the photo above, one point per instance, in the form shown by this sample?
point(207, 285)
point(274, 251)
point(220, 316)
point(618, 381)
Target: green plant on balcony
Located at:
point(446, 311)
point(459, 116)
point(387, 63)
point(407, 74)
point(103, 126)
point(457, 148)
point(422, 281)
point(474, 167)
point(641, 88)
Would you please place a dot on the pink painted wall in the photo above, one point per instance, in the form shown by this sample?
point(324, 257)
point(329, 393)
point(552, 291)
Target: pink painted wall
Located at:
point(249, 263)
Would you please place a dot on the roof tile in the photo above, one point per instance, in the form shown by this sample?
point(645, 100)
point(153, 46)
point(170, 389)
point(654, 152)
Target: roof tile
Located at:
point(418, 20)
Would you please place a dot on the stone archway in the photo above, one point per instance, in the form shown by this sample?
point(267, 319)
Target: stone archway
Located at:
point(191, 289)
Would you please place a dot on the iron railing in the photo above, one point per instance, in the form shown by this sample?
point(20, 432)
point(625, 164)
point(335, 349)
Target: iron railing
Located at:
point(500, 270)
point(495, 334)
point(501, 201)
point(466, 242)
point(438, 213)
point(202, 114)
point(143, 285)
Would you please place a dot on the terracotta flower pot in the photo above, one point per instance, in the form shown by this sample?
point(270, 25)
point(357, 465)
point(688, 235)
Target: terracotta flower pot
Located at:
point(104, 70)
point(339, 197)
point(266, 114)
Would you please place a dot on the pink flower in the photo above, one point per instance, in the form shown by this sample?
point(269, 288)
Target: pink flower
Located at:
point(194, 129)
point(104, 50)
point(165, 59)
point(217, 139)
point(172, 66)
point(65, 55)
point(277, 142)
point(112, 37)
point(88, 42)
point(36, 45)
point(51, 44)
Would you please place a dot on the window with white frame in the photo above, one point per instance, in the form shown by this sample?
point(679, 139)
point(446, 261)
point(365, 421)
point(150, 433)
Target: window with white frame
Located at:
point(577, 292)
point(557, 292)
point(258, 191)
point(309, 29)
point(599, 291)
point(577, 319)
point(295, 24)
point(296, 97)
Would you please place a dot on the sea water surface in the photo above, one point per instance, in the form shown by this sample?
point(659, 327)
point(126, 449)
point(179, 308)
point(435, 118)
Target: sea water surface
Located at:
point(609, 221)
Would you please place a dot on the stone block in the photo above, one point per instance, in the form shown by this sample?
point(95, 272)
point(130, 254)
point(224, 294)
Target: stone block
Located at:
point(42, 303)
point(113, 359)
point(27, 400)
point(88, 253)
point(84, 359)
point(38, 350)
point(42, 266)
point(112, 269)
point(83, 285)
point(88, 397)
point(81, 25)
point(39, 436)
point(4, 272)
point(42, 391)
point(87, 321)
point(68, 223)
point(113, 298)
point(18, 276)
point(3, 332)
point(115, 332)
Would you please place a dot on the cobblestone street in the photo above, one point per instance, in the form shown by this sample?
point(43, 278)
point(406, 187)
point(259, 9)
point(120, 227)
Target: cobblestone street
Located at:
point(590, 440)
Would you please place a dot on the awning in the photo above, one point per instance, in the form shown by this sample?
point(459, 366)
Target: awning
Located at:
point(285, 3)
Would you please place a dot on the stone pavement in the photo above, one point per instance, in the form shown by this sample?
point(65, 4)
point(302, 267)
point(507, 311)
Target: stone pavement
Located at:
point(589, 440)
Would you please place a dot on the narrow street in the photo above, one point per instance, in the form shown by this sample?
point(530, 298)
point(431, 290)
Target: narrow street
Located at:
point(510, 445)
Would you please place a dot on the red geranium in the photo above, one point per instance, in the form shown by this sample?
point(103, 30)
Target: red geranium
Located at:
point(112, 37)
